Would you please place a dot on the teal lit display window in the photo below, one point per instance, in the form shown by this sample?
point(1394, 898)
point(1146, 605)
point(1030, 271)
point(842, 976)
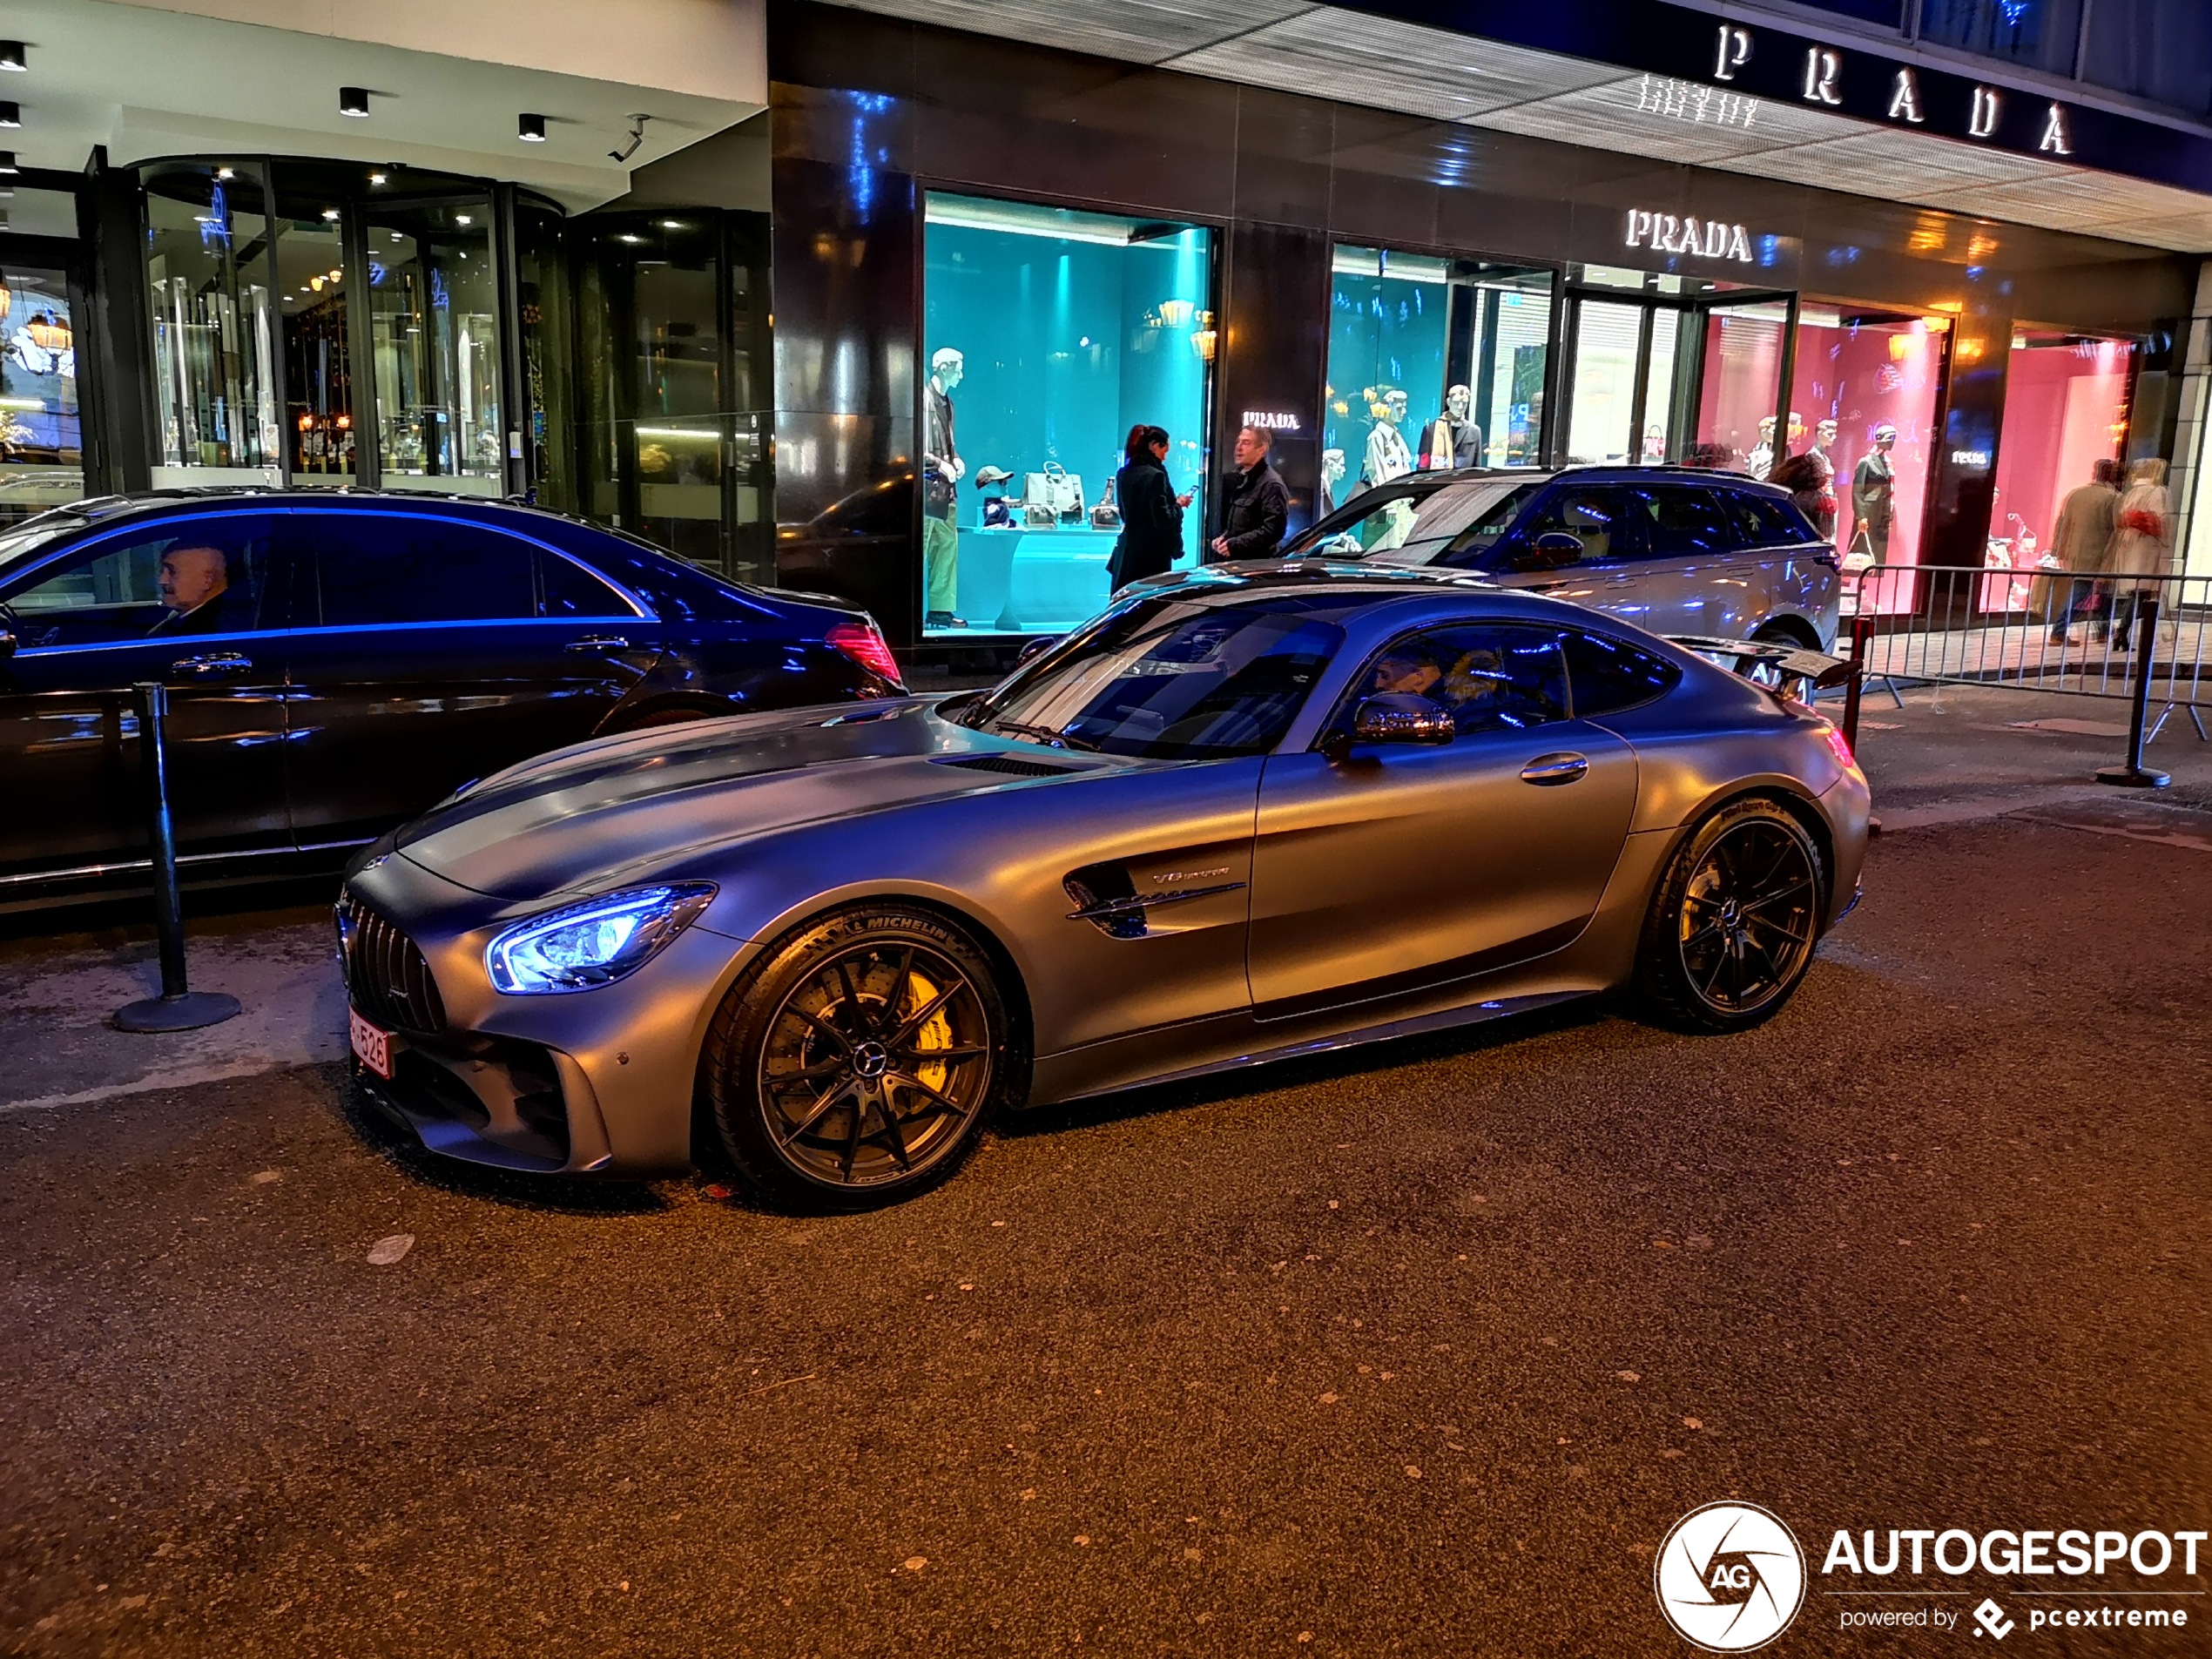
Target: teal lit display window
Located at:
point(1047, 335)
point(1434, 364)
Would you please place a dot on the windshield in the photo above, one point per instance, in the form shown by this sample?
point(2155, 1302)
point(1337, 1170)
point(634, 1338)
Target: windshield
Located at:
point(1170, 680)
point(1405, 527)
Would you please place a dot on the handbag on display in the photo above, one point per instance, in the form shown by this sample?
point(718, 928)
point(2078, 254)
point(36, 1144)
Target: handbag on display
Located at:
point(1036, 514)
point(1058, 488)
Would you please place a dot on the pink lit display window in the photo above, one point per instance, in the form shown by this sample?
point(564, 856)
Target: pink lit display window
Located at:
point(1855, 375)
point(2065, 409)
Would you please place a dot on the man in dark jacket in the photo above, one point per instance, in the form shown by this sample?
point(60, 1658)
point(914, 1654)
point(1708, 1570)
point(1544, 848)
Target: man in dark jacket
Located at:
point(1259, 508)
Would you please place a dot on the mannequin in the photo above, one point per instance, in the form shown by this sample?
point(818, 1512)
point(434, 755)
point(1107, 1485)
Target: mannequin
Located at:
point(1332, 476)
point(1874, 494)
point(1388, 455)
point(1452, 440)
point(1823, 454)
point(942, 469)
point(1760, 461)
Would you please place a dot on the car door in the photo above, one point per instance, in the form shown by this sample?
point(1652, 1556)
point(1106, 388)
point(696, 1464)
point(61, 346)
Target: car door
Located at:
point(1696, 575)
point(1604, 570)
point(89, 624)
point(1792, 571)
point(1382, 869)
point(439, 651)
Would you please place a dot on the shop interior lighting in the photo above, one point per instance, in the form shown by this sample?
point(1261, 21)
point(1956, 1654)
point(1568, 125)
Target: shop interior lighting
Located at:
point(379, 179)
point(10, 115)
point(14, 56)
point(462, 218)
point(354, 101)
point(225, 174)
point(672, 224)
point(330, 213)
point(530, 129)
point(627, 237)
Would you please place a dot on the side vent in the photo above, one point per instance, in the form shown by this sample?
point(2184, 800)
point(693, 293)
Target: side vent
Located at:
point(1012, 765)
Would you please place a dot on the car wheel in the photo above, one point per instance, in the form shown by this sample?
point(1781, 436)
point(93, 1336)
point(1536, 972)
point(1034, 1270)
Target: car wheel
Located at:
point(1734, 922)
point(860, 1063)
point(1793, 634)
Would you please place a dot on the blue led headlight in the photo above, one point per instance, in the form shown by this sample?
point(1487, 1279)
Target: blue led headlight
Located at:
point(581, 947)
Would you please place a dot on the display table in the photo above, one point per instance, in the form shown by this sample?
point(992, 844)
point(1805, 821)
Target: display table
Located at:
point(1020, 580)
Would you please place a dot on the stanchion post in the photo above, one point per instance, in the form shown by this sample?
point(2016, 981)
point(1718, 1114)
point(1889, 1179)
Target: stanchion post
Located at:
point(179, 1007)
point(1862, 640)
point(2134, 774)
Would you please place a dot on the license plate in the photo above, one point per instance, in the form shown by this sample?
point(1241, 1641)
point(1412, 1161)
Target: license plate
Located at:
point(372, 1044)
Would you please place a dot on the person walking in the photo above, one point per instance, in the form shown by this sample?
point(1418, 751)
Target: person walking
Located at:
point(2080, 540)
point(1151, 537)
point(1260, 507)
point(2141, 551)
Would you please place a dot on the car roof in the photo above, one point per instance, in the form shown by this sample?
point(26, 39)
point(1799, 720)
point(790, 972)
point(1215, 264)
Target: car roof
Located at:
point(1427, 483)
point(119, 509)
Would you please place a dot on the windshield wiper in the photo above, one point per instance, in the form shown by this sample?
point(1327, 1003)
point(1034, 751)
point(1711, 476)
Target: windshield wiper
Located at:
point(1044, 734)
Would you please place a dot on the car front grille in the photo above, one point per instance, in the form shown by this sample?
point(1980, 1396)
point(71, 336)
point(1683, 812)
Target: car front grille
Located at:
point(385, 976)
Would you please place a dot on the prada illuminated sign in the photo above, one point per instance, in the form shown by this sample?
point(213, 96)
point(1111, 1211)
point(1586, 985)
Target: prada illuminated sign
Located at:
point(1709, 238)
point(1819, 79)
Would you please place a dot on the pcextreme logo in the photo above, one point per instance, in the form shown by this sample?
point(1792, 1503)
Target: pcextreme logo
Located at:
point(1729, 1577)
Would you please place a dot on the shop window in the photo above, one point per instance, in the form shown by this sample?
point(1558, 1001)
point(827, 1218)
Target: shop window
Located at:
point(1856, 373)
point(2035, 34)
point(1434, 364)
point(2065, 409)
point(432, 314)
point(1601, 414)
point(42, 460)
point(209, 279)
point(1735, 428)
point(1047, 335)
point(319, 409)
point(2153, 49)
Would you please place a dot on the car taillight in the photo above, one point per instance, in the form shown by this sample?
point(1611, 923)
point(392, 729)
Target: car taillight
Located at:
point(860, 641)
point(1839, 746)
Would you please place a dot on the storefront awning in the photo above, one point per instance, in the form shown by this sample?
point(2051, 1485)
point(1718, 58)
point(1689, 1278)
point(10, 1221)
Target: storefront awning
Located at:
point(1384, 62)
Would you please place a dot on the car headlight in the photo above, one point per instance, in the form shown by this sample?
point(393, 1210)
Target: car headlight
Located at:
point(581, 947)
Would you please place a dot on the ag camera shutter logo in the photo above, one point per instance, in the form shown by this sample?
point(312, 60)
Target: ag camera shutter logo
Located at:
point(1729, 1577)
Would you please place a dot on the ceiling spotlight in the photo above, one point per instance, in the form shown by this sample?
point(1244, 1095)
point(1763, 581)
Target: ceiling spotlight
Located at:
point(8, 168)
point(10, 115)
point(353, 100)
point(627, 237)
point(12, 56)
point(530, 128)
point(672, 224)
point(330, 213)
point(462, 218)
point(224, 172)
point(379, 179)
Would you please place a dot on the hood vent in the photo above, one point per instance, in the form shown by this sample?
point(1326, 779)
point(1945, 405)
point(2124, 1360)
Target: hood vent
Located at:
point(1013, 765)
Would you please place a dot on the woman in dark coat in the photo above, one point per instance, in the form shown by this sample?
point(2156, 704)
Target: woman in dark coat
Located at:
point(1151, 537)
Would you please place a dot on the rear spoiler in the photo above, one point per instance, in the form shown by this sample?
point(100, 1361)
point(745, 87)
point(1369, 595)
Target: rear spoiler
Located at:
point(1790, 669)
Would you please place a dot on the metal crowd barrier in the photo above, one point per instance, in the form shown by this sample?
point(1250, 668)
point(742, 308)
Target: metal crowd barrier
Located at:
point(2039, 629)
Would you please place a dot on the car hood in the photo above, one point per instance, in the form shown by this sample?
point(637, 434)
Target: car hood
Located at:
point(622, 809)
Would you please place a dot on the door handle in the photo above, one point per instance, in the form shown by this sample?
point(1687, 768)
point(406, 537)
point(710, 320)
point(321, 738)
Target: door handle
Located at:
point(596, 645)
point(219, 665)
point(1554, 769)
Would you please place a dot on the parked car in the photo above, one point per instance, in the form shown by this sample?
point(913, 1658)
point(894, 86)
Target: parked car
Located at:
point(339, 662)
point(1671, 549)
point(1242, 815)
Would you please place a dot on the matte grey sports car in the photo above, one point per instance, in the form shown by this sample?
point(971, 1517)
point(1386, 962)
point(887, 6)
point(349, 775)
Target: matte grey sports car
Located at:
point(1245, 816)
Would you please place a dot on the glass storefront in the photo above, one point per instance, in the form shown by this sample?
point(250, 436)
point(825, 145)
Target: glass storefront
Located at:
point(433, 305)
point(1738, 389)
point(1434, 364)
point(210, 285)
point(41, 453)
point(2065, 409)
point(1047, 335)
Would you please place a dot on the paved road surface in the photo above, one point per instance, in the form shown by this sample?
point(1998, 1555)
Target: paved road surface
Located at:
point(1421, 1352)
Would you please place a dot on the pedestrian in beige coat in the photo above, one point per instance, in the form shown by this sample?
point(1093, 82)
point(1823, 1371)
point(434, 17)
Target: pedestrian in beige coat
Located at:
point(2079, 541)
point(2141, 545)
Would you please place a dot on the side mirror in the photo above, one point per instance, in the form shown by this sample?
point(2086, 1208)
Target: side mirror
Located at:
point(1400, 717)
point(1037, 647)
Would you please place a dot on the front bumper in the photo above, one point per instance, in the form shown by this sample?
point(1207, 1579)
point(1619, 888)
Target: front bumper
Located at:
point(594, 1082)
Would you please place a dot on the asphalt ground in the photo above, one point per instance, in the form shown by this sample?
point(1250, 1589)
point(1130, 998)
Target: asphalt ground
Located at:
point(1420, 1350)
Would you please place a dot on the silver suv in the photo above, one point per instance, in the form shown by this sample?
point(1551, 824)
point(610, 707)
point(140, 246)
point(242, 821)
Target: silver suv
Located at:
point(1673, 551)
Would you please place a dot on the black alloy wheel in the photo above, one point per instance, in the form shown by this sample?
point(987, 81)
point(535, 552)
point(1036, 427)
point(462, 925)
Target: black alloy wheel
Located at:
point(1733, 927)
point(860, 1064)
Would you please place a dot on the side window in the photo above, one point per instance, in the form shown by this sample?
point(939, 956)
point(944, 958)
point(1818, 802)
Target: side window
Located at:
point(1598, 516)
point(1608, 675)
point(1682, 523)
point(1491, 677)
point(180, 578)
point(571, 590)
point(378, 569)
point(1764, 522)
point(1385, 521)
